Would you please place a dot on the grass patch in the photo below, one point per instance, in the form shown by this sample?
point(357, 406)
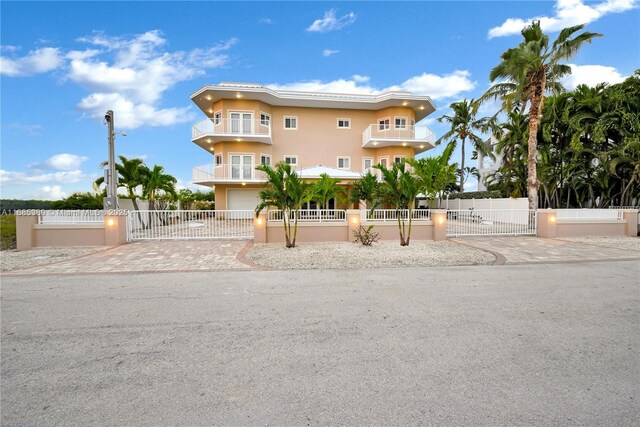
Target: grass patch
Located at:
point(7, 232)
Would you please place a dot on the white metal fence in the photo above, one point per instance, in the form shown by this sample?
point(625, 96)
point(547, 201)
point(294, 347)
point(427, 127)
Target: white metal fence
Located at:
point(92, 216)
point(504, 222)
point(589, 215)
point(311, 215)
point(384, 215)
point(184, 224)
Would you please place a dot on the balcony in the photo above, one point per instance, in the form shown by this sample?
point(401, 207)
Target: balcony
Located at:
point(234, 129)
point(210, 175)
point(421, 138)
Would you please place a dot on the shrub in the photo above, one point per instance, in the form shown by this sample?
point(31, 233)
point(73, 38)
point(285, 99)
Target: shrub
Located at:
point(493, 194)
point(366, 236)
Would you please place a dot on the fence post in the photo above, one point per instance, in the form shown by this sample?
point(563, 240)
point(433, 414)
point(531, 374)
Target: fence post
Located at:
point(631, 218)
point(439, 218)
point(353, 221)
point(25, 234)
point(547, 223)
point(115, 230)
point(260, 228)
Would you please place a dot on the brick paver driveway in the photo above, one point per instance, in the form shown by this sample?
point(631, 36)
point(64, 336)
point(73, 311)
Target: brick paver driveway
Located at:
point(529, 249)
point(153, 256)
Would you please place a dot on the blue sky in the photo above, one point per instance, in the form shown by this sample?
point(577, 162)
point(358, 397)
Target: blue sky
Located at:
point(65, 63)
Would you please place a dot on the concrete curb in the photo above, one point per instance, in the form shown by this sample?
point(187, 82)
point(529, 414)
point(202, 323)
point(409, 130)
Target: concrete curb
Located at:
point(240, 257)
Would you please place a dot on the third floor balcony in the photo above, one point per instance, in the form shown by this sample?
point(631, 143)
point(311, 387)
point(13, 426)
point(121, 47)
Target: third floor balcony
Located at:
point(231, 129)
point(384, 135)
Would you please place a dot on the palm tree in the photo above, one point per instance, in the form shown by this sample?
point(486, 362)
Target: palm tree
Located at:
point(132, 173)
point(399, 188)
point(365, 190)
point(325, 189)
point(158, 183)
point(435, 174)
point(464, 126)
point(526, 73)
point(627, 157)
point(285, 191)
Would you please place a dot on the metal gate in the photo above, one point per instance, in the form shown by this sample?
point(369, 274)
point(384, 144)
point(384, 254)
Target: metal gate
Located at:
point(181, 224)
point(496, 222)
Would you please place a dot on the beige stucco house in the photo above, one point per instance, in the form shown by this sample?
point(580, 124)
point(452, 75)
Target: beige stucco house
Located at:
point(343, 135)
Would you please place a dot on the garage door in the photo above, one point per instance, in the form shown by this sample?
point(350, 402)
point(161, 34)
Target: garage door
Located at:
point(242, 199)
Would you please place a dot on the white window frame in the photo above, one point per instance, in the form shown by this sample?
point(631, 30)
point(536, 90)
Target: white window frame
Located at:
point(266, 156)
point(242, 154)
point(292, 156)
point(399, 157)
point(217, 117)
point(284, 122)
point(217, 161)
point(395, 124)
point(343, 119)
point(382, 121)
point(348, 159)
point(364, 159)
point(268, 116)
point(383, 158)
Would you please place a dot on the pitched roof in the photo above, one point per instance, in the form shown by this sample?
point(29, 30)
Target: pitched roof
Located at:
point(316, 171)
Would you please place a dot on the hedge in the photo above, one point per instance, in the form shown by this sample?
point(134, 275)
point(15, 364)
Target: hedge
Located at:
point(494, 194)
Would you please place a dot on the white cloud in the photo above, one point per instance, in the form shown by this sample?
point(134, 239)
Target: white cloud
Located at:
point(591, 75)
point(470, 185)
point(49, 192)
point(62, 177)
point(136, 73)
point(37, 61)
point(329, 52)
point(267, 21)
point(61, 162)
point(567, 13)
point(33, 130)
point(329, 22)
point(436, 86)
point(9, 48)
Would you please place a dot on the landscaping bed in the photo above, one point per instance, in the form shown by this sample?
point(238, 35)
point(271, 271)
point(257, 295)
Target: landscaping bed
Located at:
point(381, 254)
point(17, 260)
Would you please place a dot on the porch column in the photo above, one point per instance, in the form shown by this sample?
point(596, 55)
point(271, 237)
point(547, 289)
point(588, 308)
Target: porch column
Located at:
point(439, 218)
point(115, 230)
point(260, 228)
point(547, 223)
point(353, 221)
point(25, 234)
point(631, 218)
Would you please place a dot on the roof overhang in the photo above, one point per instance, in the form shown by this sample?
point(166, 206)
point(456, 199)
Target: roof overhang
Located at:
point(203, 98)
point(315, 172)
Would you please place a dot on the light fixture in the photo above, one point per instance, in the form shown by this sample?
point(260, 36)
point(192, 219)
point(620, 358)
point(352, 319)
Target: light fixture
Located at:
point(244, 183)
point(210, 111)
point(211, 149)
point(405, 103)
point(110, 222)
point(208, 97)
point(375, 142)
point(354, 220)
point(404, 144)
point(238, 139)
point(422, 146)
point(440, 219)
point(552, 218)
point(421, 107)
point(238, 95)
point(209, 141)
point(259, 221)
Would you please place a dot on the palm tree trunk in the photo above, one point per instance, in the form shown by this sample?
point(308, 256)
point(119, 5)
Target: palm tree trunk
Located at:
point(287, 228)
point(462, 167)
point(532, 155)
point(135, 206)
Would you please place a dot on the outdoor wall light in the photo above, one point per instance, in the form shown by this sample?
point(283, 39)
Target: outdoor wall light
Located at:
point(244, 183)
point(440, 219)
point(552, 218)
point(259, 221)
point(110, 222)
point(354, 220)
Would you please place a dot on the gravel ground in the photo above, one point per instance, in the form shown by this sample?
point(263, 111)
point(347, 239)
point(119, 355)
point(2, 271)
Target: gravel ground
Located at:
point(17, 260)
point(381, 254)
point(627, 243)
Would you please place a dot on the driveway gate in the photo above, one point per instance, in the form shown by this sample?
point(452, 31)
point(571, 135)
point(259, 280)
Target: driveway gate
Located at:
point(496, 222)
point(181, 224)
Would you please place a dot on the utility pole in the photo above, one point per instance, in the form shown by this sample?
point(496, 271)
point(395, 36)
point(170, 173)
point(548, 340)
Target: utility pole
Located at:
point(111, 177)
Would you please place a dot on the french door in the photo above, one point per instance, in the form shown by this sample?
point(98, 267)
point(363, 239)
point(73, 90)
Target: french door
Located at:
point(241, 122)
point(241, 166)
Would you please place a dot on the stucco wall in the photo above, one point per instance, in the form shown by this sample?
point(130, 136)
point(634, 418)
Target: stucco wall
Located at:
point(49, 235)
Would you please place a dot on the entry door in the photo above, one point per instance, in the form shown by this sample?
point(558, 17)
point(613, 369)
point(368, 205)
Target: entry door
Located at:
point(241, 122)
point(241, 166)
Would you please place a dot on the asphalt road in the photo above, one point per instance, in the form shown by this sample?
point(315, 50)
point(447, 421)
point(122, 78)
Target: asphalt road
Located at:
point(555, 344)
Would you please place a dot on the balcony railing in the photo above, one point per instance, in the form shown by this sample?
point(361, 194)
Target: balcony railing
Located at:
point(231, 128)
point(237, 172)
point(410, 134)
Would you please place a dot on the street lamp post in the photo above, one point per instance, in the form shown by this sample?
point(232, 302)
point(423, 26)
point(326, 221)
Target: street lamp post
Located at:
point(111, 177)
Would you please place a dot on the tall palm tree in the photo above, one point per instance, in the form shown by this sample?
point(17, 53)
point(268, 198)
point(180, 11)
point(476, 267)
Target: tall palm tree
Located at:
point(284, 190)
point(325, 189)
point(158, 183)
point(365, 189)
point(399, 188)
point(526, 73)
point(435, 173)
point(465, 126)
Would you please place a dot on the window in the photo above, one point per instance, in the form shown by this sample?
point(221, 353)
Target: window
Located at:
point(217, 118)
point(413, 123)
point(398, 159)
point(218, 159)
point(292, 160)
point(265, 119)
point(344, 123)
point(383, 124)
point(401, 122)
point(290, 122)
point(367, 163)
point(384, 161)
point(343, 162)
point(265, 159)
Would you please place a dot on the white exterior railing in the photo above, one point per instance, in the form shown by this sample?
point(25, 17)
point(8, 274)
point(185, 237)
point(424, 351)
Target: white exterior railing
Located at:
point(484, 222)
point(408, 133)
point(92, 216)
point(226, 126)
point(385, 215)
point(227, 172)
point(589, 215)
point(311, 215)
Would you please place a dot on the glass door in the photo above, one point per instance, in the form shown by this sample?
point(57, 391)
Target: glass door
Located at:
point(240, 123)
point(241, 166)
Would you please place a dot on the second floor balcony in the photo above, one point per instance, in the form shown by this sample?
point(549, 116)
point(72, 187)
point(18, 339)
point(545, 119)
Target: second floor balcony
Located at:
point(377, 135)
point(211, 174)
point(212, 130)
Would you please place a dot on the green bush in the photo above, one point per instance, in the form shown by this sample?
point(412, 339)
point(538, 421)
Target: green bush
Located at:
point(7, 232)
point(79, 201)
point(493, 194)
